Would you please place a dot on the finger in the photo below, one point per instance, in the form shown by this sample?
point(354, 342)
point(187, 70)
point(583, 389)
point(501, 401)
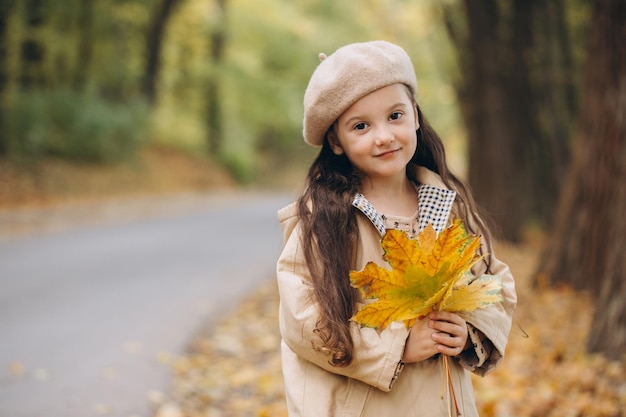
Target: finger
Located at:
point(449, 351)
point(447, 316)
point(451, 345)
point(447, 327)
point(446, 340)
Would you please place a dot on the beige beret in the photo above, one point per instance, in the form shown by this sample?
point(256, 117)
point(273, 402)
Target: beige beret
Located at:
point(345, 76)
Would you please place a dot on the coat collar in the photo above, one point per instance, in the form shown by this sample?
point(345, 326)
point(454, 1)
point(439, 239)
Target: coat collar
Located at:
point(434, 203)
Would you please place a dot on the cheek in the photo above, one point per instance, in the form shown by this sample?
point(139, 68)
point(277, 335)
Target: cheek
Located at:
point(350, 144)
point(412, 142)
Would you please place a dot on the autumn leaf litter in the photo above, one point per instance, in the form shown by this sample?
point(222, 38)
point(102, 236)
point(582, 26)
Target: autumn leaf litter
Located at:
point(234, 369)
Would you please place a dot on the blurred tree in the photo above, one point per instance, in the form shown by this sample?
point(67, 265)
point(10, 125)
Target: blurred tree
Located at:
point(120, 48)
point(515, 158)
point(33, 47)
point(6, 7)
point(555, 95)
point(226, 76)
point(586, 249)
point(85, 44)
point(214, 98)
point(497, 138)
point(154, 44)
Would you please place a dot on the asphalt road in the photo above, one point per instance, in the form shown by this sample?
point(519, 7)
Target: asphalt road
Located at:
point(86, 314)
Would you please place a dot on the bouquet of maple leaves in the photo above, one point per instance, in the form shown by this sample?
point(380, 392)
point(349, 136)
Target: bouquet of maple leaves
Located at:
point(429, 273)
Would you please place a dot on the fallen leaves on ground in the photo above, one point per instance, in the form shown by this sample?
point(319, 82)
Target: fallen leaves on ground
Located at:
point(546, 371)
point(235, 370)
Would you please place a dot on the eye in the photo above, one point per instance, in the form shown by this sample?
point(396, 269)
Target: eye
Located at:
point(395, 115)
point(360, 126)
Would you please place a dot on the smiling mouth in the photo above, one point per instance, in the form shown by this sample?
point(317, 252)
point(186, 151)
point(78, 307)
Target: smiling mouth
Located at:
point(386, 153)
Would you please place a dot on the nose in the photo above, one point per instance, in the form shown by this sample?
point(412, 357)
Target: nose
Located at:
point(384, 136)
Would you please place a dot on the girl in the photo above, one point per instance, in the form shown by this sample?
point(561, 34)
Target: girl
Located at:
point(381, 166)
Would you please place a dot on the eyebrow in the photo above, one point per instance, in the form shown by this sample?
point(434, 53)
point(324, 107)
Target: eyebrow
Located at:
point(358, 117)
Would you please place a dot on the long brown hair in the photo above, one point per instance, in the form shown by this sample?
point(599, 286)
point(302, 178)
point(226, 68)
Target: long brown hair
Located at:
point(330, 232)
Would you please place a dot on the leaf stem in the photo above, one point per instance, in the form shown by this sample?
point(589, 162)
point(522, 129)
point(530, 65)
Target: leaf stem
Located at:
point(450, 388)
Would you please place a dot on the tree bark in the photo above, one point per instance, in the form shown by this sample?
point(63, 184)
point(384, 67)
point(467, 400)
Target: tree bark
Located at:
point(496, 138)
point(556, 99)
point(608, 335)
point(154, 45)
point(587, 246)
point(517, 141)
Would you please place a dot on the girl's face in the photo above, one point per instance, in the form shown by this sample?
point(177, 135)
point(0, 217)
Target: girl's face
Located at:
point(377, 133)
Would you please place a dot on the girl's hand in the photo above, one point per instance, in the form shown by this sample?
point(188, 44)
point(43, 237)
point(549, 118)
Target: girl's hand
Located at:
point(439, 332)
point(451, 333)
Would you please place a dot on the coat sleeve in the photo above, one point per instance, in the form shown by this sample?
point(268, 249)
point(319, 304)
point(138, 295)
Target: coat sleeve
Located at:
point(376, 356)
point(489, 327)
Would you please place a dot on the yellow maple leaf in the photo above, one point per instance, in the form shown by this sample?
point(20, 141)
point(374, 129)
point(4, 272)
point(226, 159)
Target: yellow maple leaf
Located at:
point(472, 294)
point(428, 273)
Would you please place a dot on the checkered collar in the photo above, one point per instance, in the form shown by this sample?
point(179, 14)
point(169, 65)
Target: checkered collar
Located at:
point(434, 207)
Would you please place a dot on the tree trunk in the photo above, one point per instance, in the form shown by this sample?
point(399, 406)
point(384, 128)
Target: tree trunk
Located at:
point(5, 11)
point(556, 101)
point(6, 7)
point(32, 49)
point(213, 93)
point(517, 140)
point(587, 246)
point(496, 141)
point(154, 45)
point(608, 333)
point(85, 45)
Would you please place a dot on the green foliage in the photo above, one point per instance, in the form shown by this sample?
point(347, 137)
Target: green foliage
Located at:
point(241, 165)
point(72, 126)
point(271, 48)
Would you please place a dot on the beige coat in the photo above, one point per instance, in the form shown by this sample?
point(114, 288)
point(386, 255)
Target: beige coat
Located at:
point(375, 384)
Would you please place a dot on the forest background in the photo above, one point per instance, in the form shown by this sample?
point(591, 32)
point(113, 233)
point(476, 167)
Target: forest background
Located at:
point(529, 97)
